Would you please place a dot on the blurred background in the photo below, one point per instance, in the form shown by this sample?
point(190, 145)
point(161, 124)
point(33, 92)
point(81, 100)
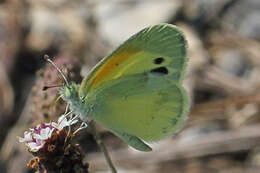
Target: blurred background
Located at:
point(222, 134)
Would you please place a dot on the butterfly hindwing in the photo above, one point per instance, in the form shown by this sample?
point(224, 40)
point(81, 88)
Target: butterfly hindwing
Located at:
point(146, 106)
point(133, 141)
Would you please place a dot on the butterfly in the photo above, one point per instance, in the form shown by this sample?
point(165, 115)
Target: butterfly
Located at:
point(136, 92)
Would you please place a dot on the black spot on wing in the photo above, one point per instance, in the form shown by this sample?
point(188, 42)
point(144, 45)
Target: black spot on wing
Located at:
point(160, 70)
point(164, 130)
point(158, 60)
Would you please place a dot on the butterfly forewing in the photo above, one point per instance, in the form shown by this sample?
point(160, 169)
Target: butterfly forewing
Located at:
point(139, 54)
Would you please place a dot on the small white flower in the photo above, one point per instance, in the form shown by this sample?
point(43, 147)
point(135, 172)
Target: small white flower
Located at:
point(34, 147)
point(45, 133)
point(27, 137)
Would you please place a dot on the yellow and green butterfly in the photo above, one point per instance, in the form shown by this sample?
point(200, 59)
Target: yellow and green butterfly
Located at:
point(136, 92)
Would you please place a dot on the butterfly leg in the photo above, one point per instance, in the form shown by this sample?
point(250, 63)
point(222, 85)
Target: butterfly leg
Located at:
point(133, 141)
point(82, 126)
point(67, 108)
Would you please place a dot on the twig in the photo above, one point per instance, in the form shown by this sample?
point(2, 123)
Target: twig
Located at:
point(230, 141)
point(206, 110)
point(102, 147)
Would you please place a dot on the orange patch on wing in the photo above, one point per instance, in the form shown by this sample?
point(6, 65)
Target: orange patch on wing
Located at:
point(111, 64)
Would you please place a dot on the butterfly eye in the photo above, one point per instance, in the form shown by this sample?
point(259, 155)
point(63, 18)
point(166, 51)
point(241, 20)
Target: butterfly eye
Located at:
point(160, 70)
point(158, 60)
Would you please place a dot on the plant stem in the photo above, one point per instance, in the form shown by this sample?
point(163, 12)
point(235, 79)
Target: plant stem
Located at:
point(102, 147)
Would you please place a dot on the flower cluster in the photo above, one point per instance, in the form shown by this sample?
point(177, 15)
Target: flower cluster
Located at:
point(37, 137)
point(52, 147)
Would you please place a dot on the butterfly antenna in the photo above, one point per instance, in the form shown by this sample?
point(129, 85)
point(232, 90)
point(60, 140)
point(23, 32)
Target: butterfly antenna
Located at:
point(47, 58)
point(47, 87)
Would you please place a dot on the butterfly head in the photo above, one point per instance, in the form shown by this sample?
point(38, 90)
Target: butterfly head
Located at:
point(69, 91)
